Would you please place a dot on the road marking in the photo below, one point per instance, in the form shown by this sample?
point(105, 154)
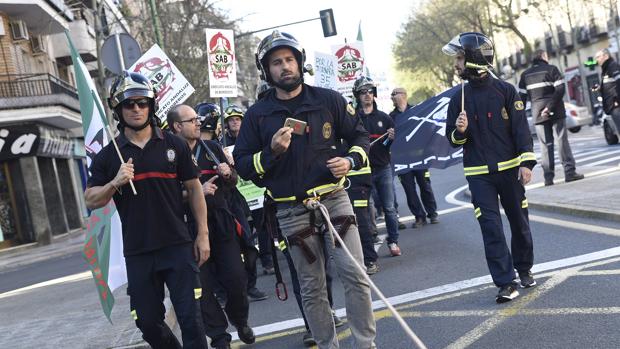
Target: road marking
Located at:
point(70, 278)
point(602, 161)
point(445, 289)
point(599, 155)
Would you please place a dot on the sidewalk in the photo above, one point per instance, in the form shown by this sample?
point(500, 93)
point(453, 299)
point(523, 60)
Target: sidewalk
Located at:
point(596, 196)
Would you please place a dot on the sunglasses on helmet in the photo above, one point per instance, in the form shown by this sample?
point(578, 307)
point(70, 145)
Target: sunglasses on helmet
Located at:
point(130, 103)
point(233, 109)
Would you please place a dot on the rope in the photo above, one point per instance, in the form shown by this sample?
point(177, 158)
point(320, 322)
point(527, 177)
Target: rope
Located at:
point(314, 204)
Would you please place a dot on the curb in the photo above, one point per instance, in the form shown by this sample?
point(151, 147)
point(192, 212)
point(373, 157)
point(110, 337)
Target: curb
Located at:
point(575, 211)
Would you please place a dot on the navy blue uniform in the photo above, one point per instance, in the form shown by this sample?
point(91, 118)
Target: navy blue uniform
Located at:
point(301, 171)
point(423, 178)
point(496, 143)
point(224, 268)
point(157, 243)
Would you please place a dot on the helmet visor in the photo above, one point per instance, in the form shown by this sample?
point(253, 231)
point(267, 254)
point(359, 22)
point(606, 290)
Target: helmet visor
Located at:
point(453, 47)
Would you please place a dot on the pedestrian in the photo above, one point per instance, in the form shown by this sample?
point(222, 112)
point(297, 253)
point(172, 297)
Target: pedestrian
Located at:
point(381, 133)
point(609, 87)
point(295, 167)
point(157, 245)
point(488, 120)
point(421, 176)
point(233, 117)
point(225, 266)
point(359, 190)
point(543, 84)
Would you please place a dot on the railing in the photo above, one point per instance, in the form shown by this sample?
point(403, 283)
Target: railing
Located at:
point(29, 85)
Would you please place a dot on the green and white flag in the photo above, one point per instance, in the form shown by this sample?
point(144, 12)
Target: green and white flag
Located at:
point(103, 247)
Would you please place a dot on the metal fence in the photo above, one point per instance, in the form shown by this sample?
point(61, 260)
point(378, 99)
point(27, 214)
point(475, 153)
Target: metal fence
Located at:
point(30, 85)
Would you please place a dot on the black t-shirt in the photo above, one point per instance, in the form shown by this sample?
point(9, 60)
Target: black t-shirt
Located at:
point(153, 218)
point(294, 103)
point(377, 124)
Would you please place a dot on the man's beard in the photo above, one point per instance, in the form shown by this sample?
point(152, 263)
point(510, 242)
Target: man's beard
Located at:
point(289, 86)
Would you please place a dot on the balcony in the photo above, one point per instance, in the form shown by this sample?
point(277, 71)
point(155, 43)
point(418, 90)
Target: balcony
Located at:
point(39, 97)
point(42, 17)
point(83, 36)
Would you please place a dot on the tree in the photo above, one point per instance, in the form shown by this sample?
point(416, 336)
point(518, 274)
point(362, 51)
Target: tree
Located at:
point(506, 18)
point(182, 30)
point(418, 46)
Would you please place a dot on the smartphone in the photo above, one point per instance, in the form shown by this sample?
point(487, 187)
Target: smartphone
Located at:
point(298, 126)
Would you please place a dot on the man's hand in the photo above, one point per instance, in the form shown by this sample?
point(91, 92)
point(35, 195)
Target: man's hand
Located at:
point(390, 132)
point(525, 175)
point(124, 174)
point(224, 170)
point(209, 188)
point(545, 112)
point(461, 122)
point(281, 140)
point(339, 166)
point(202, 248)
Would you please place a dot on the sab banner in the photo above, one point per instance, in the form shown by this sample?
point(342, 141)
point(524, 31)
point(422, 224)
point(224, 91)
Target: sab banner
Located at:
point(349, 66)
point(172, 87)
point(222, 65)
point(420, 141)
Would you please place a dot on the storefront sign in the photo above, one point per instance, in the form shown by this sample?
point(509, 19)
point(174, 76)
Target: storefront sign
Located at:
point(29, 140)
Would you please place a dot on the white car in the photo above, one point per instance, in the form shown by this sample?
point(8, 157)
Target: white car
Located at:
point(576, 117)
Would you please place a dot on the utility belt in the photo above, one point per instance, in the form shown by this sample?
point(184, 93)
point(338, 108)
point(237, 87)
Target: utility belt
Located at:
point(321, 192)
point(298, 238)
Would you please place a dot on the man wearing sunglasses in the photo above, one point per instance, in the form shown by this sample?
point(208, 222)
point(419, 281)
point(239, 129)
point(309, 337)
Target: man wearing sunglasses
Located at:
point(157, 245)
point(381, 129)
point(225, 268)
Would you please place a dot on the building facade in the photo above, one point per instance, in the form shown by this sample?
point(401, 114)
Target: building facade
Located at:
point(42, 157)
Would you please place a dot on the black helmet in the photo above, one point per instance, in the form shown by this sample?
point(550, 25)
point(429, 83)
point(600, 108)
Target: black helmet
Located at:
point(274, 41)
point(477, 49)
point(232, 110)
point(208, 114)
point(364, 82)
point(128, 85)
point(262, 88)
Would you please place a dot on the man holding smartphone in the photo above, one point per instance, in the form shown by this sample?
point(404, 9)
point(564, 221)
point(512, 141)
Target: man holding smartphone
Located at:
point(487, 118)
point(300, 162)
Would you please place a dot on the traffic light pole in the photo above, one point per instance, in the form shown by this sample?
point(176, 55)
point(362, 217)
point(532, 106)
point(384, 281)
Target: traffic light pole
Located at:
point(327, 21)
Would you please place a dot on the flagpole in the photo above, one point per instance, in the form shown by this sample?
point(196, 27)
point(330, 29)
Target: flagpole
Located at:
point(462, 96)
point(113, 140)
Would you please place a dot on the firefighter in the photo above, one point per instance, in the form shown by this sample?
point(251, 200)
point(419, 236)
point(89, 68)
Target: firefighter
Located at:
point(498, 159)
point(381, 129)
point(609, 87)
point(295, 167)
point(543, 84)
point(156, 242)
point(225, 268)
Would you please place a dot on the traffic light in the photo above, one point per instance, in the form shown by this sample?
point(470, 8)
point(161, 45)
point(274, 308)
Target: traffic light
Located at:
point(328, 23)
point(590, 63)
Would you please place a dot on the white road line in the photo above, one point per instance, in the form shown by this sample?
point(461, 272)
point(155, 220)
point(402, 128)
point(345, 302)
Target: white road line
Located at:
point(526, 312)
point(448, 288)
point(603, 161)
point(605, 153)
point(70, 278)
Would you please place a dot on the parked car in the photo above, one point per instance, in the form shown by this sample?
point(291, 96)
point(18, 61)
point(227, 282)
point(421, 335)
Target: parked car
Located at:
point(610, 130)
point(576, 116)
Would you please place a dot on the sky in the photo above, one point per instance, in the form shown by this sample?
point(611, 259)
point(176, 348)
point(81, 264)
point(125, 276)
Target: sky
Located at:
point(380, 24)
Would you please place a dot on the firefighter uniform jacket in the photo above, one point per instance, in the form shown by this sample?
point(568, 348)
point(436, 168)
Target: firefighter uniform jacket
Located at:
point(544, 85)
point(610, 88)
point(377, 124)
point(301, 171)
point(497, 137)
